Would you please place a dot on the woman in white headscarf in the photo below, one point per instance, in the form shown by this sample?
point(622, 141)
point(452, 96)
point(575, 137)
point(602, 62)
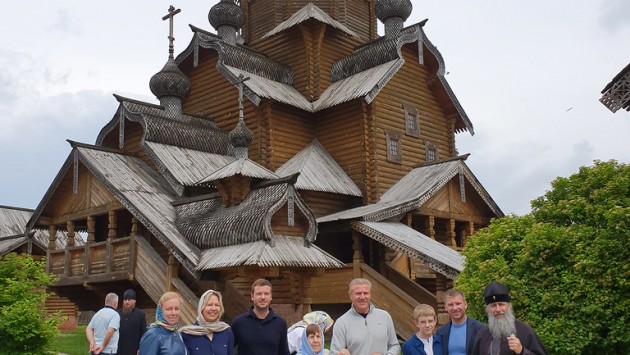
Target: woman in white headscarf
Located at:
point(209, 335)
point(296, 331)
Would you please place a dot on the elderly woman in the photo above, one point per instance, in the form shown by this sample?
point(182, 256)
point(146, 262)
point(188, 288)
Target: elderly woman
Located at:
point(209, 335)
point(312, 342)
point(162, 337)
point(297, 330)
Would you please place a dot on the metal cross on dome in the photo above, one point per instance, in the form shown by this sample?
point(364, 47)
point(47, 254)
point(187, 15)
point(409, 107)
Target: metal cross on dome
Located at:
point(171, 13)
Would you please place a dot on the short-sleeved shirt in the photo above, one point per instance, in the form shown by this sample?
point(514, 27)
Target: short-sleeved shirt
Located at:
point(106, 318)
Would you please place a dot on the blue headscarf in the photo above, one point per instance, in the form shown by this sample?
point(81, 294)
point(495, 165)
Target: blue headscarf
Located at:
point(305, 347)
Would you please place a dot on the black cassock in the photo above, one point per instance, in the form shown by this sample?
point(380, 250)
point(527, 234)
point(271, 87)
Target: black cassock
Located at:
point(529, 339)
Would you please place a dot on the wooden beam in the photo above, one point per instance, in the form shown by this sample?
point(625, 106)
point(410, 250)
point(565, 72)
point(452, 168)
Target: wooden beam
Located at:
point(448, 215)
point(83, 214)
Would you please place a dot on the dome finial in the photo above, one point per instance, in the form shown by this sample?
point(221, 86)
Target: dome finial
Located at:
point(227, 18)
point(241, 136)
point(170, 85)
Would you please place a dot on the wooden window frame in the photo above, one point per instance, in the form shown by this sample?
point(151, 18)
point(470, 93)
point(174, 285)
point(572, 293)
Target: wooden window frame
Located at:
point(431, 147)
point(412, 120)
point(393, 140)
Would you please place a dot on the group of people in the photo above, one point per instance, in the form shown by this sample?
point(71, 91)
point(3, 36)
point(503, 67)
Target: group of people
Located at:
point(462, 335)
point(363, 330)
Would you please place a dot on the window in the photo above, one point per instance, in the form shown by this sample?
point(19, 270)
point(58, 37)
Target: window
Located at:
point(432, 153)
point(394, 148)
point(412, 121)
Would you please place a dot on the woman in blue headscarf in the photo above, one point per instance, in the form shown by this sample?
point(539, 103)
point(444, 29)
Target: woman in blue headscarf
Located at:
point(162, 338)
point(312, 342)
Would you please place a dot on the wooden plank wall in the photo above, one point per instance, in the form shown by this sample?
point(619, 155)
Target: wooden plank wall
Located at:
point(389, 114)
point(323, 203)
point(340, 131)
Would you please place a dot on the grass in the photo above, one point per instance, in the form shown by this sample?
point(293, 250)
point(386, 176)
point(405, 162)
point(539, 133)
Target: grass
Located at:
point(72, 342)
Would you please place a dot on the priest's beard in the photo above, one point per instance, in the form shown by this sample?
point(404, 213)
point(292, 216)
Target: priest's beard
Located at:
point(501, 327)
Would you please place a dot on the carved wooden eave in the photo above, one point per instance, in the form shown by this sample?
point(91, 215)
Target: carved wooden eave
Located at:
point(413, 190)
point(203, 220)
point(308, 12)
point(118, 173)
point(170, 142)
point(414, 244)
point(616, 94)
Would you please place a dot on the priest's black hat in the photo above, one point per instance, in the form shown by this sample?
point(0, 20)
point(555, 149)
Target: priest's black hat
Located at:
point(496, 292)
point(129, 295)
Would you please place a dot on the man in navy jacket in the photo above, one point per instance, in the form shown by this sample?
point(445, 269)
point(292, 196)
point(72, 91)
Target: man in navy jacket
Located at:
point(260, 331)
point(458, 335)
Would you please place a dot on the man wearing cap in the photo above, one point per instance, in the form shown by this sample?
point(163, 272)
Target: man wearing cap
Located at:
point(133, 324)
point(505, 335)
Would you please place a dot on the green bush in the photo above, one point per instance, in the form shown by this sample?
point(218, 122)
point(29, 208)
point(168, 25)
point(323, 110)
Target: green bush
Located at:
point(566, 264)
point(25, 326)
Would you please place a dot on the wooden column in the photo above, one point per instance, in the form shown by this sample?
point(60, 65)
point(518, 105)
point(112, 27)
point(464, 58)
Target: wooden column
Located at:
point(132, 248)
point(52, 237)
point(450, 234)
point(112, 224)
point(70, 226)
point(91, 229)
point(306, 293)
point(67, 259)
point(469, 232)
point(357, 256)
point(440, 289)
point(430, 227)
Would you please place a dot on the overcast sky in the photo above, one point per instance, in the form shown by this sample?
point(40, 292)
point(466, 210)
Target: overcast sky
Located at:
point(528, 74)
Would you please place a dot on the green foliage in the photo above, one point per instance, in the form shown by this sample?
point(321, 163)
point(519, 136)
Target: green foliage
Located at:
point(25, 327)
point(566, 263)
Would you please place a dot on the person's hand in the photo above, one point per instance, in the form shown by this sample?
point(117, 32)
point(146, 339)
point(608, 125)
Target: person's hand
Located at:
point(98, 350)
point(92, 346)
point(515, 344)
point(343, 352)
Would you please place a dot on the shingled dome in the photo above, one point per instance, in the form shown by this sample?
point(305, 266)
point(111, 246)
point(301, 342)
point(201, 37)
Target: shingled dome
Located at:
point(240, 136)
point(385, 9)
point(226, 13)
point(393, 14)
point(170, 81)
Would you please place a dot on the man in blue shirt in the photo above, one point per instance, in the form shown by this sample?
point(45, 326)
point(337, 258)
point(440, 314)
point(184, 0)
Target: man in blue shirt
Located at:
point(102, 332)
point(260, 331)
point(458, 335)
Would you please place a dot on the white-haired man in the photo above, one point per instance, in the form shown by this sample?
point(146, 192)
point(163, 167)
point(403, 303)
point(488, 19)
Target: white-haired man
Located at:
point(505, 335)
point(364, 329)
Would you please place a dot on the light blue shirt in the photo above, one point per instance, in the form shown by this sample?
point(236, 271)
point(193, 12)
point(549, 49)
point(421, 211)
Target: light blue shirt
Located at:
point(103, 319)
point(457, 339)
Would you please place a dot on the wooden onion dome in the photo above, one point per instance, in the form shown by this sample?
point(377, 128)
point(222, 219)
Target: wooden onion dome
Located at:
point(170, 86)
point(227, 18)
point(393, 14)
point(240, 138)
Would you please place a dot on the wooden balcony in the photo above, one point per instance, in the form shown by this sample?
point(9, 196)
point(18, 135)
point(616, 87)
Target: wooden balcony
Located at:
point(107, 261)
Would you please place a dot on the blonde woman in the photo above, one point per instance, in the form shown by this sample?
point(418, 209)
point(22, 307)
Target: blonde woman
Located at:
point(209, 335)
point(162, 338)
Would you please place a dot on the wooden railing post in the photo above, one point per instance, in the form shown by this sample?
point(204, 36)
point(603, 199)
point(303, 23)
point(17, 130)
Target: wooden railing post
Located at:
point(111, 234)
point(132, 248)
point(430, 227)
point(440, 289)
point(450, 234)
point(67, 256)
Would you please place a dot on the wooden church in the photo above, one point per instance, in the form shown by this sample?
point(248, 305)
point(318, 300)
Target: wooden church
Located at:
point(292, 143)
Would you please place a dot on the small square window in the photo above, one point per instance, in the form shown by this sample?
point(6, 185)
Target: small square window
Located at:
point(412, 121)
point(394, 147)
point(432, 153)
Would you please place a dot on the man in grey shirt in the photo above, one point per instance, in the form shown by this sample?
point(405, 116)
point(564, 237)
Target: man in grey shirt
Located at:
point(364, 329)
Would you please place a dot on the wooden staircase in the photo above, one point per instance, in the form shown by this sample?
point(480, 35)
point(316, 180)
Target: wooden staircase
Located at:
point(155, 279)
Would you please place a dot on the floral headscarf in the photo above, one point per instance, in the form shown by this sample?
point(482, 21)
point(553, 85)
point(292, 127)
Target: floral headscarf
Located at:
point(322, 319)
point(161, 321)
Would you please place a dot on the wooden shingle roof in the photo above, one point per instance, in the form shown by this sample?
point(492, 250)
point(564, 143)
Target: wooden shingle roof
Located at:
point(413, 190)
point(310, 11)
point(318, 171)
point(414, 244)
